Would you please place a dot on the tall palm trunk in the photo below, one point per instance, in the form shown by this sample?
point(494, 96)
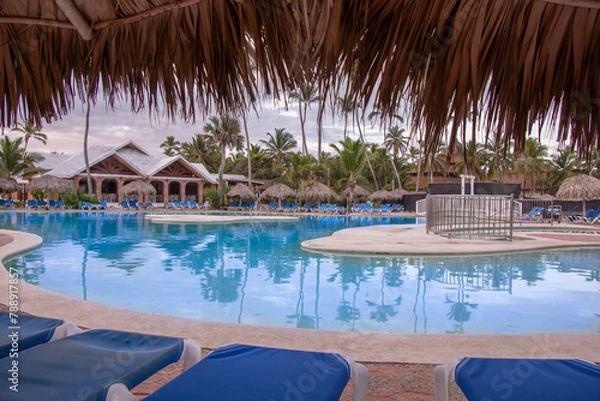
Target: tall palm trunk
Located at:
point(85, 145)
point(362, 140)
point(248, 147)
point(302, 111)
point(320, 113)
point(221, 170)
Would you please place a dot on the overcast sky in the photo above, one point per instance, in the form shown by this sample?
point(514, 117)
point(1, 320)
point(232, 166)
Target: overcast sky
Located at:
point(113, 127)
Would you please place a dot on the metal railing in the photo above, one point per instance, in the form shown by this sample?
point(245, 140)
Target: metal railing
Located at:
point(471, 216)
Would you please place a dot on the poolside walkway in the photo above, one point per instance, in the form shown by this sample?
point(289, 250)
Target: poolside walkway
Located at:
point(400, 366)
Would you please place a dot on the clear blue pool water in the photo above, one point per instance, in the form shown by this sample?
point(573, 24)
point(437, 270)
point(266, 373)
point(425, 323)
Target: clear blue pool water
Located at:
point(257, 273)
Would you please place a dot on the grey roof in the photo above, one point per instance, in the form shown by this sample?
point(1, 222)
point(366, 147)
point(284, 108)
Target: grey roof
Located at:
point(50, 159)
point(145, 163)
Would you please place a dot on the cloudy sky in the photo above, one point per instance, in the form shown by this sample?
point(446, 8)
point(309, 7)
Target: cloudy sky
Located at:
point(113, 127)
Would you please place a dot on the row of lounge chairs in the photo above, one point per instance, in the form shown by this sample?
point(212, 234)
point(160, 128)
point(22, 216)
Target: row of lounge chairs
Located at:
point(185, 205)
point(42, 204)
point(367, 208)
point(241, 206)
point(538, 214)
point(591, 217)
point(56, 360)
point(364, 208)
point(105, 364)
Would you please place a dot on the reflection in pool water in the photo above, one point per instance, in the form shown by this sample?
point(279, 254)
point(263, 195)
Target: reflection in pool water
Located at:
point(257, 273)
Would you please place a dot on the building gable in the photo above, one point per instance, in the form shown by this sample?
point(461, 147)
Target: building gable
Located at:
point(112, 165)
point(176, 169)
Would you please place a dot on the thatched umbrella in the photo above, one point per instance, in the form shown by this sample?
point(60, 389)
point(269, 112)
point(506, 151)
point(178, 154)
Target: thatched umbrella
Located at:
point(356, 192)
point(580, 187)
point(137, 187)
point(449, 56)
point(8, 185)
point(319, 192)
point(381, 195)
point(241, 191)
point(49, 183)
point(278, 191)
point(397, 194)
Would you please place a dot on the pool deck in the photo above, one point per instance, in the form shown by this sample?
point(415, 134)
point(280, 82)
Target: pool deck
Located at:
point(412, 351)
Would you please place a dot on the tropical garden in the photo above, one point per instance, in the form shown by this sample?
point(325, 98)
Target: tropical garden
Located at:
point(400, 161)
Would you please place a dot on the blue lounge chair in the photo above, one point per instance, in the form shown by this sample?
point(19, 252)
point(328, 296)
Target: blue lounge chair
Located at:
point(31, 204)
point(495, 379)
point(102, 204)
point(124, 204)
point(7, 203)
point(250, 373)
point(31, 331)
point(60, 204)
point(307, 207)
point(94, 365)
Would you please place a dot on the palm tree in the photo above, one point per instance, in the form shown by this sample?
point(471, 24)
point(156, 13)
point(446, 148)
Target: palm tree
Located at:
point(498, 159)
point(29, 131)
point(562, 166)
point(395, 141)
point(352, 158)
point(438, 162)
point(278, 146)
point(531, 161)
point(306, 96)
point(470, 159)
point(346, 106)
point(171, 146)
point(224, 132)
point(195, 151)
point(14, 162)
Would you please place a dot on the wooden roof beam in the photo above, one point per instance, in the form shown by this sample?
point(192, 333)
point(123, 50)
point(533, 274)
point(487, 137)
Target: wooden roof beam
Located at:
point(73, 14)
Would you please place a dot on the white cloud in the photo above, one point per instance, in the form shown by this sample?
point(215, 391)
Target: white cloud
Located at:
point(111, 127)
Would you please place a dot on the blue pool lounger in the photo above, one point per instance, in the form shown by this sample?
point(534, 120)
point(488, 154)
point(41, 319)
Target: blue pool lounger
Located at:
point(28, 331)
point(250, 373)
point(497, 379)
point(95, 365)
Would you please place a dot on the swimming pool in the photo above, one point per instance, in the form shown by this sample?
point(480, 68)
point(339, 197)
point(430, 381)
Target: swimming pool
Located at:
point(257, 273)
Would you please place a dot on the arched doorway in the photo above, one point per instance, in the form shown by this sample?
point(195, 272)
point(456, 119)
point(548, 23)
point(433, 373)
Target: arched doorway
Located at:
point(159, 197)
point(174, 191)
point(109, 191)
point(191, 192)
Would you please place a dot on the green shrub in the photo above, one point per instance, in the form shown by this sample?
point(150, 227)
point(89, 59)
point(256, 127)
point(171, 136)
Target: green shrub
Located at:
point(212, 197)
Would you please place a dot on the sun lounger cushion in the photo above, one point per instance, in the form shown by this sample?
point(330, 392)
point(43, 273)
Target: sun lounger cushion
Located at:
point(497, 379)
point(26, 331)
point(250, 373)
point(84, 366)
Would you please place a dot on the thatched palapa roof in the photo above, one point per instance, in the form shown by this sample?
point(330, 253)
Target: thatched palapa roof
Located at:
point(241, 191)
point(8, 185)
point(137, 187)
point(505, 64)
point(50, 183)
point(279, 191)
point(581, 186)
point(356, 192)
point(318, 192)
